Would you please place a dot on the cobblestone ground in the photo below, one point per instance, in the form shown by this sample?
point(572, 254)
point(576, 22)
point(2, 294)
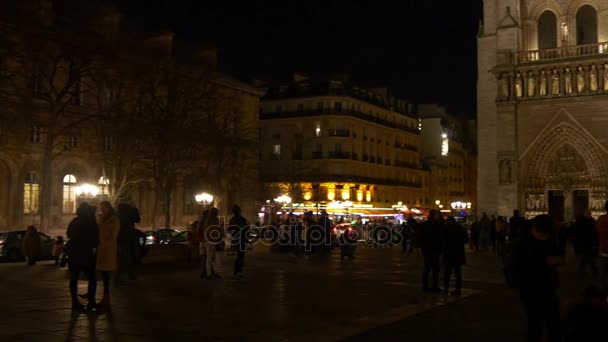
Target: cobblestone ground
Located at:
point(282, 298)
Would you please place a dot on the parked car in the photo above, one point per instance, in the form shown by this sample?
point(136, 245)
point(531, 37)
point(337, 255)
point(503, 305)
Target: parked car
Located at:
point(160, 236)
point(181, 238)
point(11, 245)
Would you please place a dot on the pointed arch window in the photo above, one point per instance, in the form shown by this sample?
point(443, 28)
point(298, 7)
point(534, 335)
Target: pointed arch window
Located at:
point(586, 25)
point(69, 194)
point(547, 31)
point(31, 193)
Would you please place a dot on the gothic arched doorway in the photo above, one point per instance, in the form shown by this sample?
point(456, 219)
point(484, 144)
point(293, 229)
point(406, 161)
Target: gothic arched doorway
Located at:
point(566, 173)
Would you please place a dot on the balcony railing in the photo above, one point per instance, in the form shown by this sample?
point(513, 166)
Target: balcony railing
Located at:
point(343, 133)
point(339, 155)
point(339, 112)
point(556, 53)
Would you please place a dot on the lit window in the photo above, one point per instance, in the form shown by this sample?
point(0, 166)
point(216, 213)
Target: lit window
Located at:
point(276, 152)
point(31, 193)
point(74, 142)
point(38, 134)
point(318, 131)
point(103, 182)
point(69, 194)
point(445, 148)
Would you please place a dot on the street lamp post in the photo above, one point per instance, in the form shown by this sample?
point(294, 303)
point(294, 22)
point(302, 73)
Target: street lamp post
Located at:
point(284, 200)
point(87, 192)
point(204, 198)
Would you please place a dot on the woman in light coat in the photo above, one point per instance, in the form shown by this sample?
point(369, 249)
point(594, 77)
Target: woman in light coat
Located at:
point(107, 251)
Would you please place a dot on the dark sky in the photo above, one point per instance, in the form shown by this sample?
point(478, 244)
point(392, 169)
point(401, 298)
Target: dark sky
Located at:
point(422, 49)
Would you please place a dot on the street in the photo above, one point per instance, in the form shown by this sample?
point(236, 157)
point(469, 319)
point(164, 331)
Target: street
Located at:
point(282, 298)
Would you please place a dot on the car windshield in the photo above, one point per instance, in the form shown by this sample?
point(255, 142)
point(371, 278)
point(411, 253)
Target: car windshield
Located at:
point(3, 236)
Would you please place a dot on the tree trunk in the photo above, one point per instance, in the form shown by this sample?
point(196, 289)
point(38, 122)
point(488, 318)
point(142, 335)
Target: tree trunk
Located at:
point(155, 207)
point(46, 188)
point(167, 194)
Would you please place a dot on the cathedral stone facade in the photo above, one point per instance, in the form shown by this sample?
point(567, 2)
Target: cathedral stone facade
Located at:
point(543, 107)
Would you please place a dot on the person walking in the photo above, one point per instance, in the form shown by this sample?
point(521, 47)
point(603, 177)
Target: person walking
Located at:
point(239, 226)
point(213, 237)
point(485, 232)
point(585, 242)
point(501, 235)
point(107, 251)
point(31, 245)
point(454, 257)
point(516, 226)
point(602, 235)
point(83, 236)
point(431, 239)
point(535, 260)
point(128, 241)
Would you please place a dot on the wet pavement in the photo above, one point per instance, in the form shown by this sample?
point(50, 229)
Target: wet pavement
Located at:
point(282, 298)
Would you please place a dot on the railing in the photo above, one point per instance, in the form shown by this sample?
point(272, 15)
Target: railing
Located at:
point(343, 133)
point(338, 112)
point(406, 147)
point(339, 155)
point(556, 53)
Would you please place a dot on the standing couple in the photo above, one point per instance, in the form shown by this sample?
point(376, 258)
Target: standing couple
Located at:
point(92, 247)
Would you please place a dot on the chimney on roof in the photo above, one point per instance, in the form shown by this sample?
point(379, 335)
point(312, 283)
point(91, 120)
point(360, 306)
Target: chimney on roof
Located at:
point(206, 58)
point(162, 43)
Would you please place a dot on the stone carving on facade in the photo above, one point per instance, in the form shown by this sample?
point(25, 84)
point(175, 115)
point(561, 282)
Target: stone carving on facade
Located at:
point(503, 87)
point(568, 82)
point(597, 201)
point(519, 86)
point(542, 91)
point(531, 84)
point(555, 83)
point(580, 80)
point(605, 77)
point(505, 171)
point(593, 78)
point(535, 202)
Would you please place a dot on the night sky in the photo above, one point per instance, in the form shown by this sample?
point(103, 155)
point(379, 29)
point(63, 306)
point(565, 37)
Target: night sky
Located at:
point(423, 50)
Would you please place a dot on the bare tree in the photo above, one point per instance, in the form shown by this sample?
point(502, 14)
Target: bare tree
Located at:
point(45, 75)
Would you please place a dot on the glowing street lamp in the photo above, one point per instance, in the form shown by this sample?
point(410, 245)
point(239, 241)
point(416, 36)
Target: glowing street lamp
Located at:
point(283, 199)
point(204, 198)
point(86, 190)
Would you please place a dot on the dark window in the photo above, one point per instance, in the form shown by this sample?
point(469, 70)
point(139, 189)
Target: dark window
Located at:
point(547, 31)
point(586, 25)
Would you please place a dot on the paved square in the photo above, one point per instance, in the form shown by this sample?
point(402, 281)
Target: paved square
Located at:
point(282, 298)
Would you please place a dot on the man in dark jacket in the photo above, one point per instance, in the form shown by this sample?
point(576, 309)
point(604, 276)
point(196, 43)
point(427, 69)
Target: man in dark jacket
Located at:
point(431, 239)
point(454, 257)
point(536, 260)
point(584, 239)
point(129, 248)
point(239, 227)
point(83, 236)
point(516, 226)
